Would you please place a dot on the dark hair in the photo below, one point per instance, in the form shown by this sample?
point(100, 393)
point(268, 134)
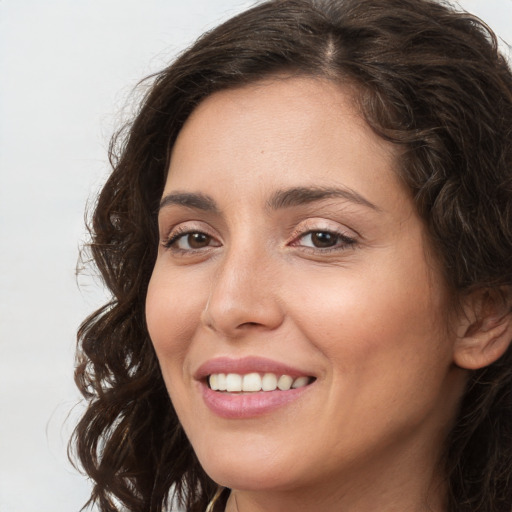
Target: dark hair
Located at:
point(428, 79)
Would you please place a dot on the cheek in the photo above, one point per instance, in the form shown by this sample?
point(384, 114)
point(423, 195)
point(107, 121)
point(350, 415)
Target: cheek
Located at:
point(388, 363)
point(375, 321)
point(172, 316)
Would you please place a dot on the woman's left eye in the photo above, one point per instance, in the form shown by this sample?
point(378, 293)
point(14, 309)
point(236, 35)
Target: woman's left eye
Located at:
point(324, 240)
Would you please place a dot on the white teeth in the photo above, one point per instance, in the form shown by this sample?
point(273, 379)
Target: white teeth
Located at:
point(218, 381)
point(214, 382)
point(284, 383)
point(221, 381)
point(233, 382)
point(251, 382)
point(300, 382)
point(269, 382)
point(254, 382)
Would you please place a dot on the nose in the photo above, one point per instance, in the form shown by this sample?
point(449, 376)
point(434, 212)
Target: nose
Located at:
point(244, 295)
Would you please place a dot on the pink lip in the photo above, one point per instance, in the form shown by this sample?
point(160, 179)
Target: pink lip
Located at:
point(247, 405)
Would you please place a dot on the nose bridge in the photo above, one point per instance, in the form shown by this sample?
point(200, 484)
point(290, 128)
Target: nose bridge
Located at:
point(243, 292)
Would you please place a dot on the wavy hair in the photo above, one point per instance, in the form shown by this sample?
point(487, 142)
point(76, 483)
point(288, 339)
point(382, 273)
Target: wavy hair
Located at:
point(427, 78)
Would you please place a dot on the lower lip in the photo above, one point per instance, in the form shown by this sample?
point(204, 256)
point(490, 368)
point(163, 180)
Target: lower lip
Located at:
point(249, 405)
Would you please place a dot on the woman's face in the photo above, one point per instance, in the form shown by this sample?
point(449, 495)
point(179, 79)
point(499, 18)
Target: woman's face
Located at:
point(289, 248)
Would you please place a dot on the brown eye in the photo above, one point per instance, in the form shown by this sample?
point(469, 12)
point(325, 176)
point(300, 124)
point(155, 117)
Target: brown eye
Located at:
point(197, 240)
point(325, 240)
point(191, 241)
point(322, 239)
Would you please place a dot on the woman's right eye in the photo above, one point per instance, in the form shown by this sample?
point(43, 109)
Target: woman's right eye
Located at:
point(190, 241)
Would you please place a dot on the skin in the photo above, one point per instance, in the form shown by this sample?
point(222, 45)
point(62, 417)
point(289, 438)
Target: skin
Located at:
point(367, 318)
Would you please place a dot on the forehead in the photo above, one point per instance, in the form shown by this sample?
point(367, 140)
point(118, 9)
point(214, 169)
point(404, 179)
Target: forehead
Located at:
point(293, 128)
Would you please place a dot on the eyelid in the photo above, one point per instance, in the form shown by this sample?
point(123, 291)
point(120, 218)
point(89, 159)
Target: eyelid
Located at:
point(347, 235)
point(321, 224)
point(183, 228)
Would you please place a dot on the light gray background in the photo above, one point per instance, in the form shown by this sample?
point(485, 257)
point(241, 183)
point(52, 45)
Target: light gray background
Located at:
point(67, 69)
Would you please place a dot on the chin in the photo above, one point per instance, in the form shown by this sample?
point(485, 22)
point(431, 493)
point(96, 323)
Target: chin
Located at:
point(248, 477)
point(252, 467)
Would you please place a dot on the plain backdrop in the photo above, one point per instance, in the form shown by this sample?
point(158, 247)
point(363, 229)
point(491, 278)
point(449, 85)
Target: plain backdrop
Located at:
point(67, 71)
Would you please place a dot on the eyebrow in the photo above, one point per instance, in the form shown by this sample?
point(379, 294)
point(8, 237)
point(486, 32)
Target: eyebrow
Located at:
point(190, 200)
point(304, 195)
point(281, 199)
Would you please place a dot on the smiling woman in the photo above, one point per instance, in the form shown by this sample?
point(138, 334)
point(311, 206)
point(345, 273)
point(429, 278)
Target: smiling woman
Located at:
point(333, 292)
point(308, 239)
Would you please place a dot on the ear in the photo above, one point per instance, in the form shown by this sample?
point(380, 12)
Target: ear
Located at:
point(485, 329)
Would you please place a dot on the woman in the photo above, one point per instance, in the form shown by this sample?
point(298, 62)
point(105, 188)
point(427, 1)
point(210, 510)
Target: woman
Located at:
point(307, 235)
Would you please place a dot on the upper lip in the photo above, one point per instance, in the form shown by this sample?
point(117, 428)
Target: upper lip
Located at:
point(246, 365)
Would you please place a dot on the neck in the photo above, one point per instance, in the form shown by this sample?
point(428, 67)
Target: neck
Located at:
point(241, 501)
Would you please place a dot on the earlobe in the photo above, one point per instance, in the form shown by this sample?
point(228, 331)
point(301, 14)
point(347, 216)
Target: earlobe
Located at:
point(485, 333)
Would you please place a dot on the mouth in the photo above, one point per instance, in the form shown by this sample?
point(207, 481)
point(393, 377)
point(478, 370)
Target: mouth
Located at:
point(256, 382)
point(250, 387)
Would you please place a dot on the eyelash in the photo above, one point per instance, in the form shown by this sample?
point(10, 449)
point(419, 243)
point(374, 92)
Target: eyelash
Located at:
point(342, 241)
point(179, 233)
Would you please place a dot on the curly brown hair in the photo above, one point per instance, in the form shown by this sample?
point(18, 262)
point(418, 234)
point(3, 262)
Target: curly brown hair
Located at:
point(430, 80)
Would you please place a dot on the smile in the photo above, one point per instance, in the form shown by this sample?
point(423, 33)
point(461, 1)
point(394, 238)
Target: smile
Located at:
point(250, 387)
point(255, 382)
